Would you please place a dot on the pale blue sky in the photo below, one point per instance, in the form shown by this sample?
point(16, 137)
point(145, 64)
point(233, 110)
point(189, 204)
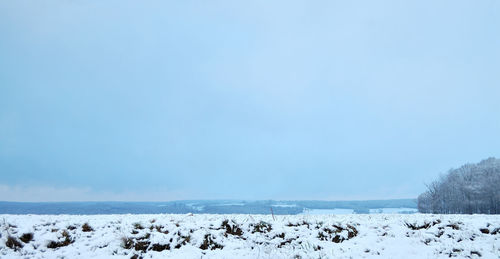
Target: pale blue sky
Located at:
point(161, 100)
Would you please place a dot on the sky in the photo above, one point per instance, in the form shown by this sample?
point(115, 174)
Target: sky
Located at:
point(167, 100)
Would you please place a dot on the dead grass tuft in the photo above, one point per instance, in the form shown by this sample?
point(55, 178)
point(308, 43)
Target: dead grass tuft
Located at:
point(484, 230)
point(66, 242)
point(87, 228)
point(138, 226)
point(426, 225)
point(262, 227)
point(13, 243)
point(231, 229)
point(160, 247)
point(209, 243)
point(71, 227)
point(26, 237)
point(333, 233)
point(453, 226)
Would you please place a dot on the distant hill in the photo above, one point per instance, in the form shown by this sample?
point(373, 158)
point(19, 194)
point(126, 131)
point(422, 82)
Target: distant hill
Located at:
point(200, 207)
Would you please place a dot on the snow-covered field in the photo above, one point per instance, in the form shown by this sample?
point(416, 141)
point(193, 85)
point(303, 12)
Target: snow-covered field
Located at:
point(250, 236)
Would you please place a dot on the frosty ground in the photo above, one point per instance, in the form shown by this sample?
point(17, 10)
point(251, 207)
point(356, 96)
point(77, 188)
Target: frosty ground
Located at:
point(250, 236)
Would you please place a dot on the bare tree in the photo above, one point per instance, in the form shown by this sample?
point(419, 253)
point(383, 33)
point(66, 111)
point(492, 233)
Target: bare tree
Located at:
point(472, 188)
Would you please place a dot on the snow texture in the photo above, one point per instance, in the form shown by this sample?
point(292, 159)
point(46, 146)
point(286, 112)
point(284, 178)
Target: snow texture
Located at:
point(250, 236)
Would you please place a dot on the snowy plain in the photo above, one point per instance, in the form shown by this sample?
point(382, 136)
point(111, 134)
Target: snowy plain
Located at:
point(250, 236)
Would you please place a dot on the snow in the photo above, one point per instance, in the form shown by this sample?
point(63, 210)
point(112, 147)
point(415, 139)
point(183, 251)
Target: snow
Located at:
point(256, 236)
point(285, 205)
point(327, 211)
point(393, 210)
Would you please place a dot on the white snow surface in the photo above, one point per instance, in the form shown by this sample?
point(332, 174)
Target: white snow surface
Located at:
point(393, 210)
point(297, 236)
point(327, 211)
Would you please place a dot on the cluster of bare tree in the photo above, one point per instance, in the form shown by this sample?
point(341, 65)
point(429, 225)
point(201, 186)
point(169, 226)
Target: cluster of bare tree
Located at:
point(472, 188)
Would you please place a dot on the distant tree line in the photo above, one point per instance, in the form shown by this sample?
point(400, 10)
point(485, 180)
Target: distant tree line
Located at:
point(472, 188)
